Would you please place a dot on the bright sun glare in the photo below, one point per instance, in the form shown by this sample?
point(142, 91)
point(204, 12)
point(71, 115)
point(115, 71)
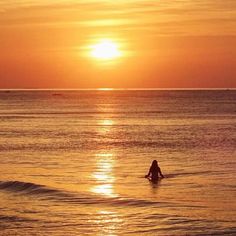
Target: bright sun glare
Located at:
point(105, 50)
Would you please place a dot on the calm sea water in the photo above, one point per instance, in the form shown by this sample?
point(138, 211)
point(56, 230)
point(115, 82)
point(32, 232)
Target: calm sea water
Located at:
point(72, 162)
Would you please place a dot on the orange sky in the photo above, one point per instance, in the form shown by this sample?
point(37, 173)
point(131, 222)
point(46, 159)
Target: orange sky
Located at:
point(165, 43)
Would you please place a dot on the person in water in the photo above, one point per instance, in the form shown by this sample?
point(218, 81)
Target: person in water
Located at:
point(154, 172)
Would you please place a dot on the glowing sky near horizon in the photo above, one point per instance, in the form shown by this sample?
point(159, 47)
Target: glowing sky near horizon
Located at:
point(167, 43)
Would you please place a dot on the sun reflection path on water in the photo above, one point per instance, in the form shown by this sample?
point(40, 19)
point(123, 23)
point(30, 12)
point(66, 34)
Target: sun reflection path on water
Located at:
point(105, 125)
point(104, 175)
point(107, 122)
point(109, 222)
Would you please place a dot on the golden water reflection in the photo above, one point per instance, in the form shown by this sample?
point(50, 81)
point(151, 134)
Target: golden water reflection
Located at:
point(104, 175)
point(105, 125)
point(107, 122)
point(110, 222)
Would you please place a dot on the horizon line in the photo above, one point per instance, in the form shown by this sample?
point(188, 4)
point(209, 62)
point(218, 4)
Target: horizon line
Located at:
point(110, 89)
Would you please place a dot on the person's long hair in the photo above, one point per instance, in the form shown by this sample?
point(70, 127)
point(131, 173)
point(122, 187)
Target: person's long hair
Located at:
point(154, 165)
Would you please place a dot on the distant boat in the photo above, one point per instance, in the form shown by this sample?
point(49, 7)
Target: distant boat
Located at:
point(57, 94)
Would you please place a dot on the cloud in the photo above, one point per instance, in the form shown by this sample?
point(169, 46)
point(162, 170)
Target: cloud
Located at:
point(208, 17)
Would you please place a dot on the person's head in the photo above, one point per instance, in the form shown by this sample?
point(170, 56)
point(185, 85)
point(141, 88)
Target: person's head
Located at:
point(154, 163)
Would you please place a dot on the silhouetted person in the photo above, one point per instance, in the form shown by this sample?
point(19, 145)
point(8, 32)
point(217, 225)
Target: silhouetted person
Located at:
point(154, 172)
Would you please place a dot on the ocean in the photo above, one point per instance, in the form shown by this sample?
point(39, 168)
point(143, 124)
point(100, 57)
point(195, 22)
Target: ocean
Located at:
point(72, 162)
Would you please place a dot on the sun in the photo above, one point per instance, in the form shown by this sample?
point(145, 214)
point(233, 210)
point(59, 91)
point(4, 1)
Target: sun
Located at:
point(105, 50)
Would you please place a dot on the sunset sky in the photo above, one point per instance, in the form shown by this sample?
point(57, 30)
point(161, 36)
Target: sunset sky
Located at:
point(150, 44)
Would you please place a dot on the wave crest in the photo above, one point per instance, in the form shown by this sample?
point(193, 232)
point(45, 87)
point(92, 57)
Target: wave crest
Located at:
point(47, 193)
